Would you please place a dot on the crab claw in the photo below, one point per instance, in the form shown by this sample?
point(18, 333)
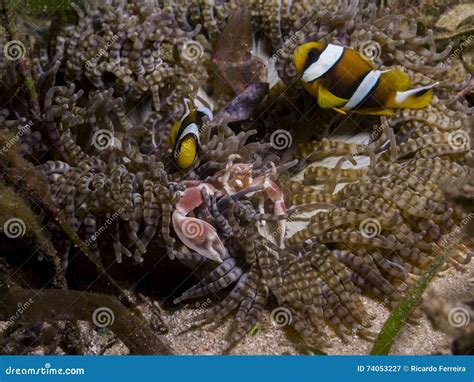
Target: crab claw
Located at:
point(277, 197)
point(198, 235)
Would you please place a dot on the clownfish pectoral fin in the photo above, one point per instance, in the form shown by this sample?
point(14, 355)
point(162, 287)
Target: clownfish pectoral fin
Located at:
point(328, 100)
point(396, 80)
point(417, 98)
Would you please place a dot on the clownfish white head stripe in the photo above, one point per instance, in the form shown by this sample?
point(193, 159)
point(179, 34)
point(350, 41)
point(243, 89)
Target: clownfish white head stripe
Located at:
point(365, 88)
point(187, 109)
point(326, 61)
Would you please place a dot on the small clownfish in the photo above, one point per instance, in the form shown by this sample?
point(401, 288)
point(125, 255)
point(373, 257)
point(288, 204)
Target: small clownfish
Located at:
point(342, 79)
point(185, 134)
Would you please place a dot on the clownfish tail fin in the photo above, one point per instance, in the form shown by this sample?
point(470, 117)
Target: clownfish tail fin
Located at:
point(417, 98)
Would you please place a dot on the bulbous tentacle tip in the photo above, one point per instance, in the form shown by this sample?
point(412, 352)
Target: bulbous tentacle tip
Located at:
point(200, 236)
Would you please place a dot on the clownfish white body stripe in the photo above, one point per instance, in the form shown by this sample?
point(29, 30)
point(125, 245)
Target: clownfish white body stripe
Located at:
point(365, 88)
point(341, 79)
point(328, 58)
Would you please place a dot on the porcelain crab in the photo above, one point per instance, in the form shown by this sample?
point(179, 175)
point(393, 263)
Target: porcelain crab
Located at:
point(236, 178)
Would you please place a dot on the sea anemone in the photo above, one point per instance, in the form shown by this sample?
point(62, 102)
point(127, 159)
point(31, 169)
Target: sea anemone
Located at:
point(365, 206)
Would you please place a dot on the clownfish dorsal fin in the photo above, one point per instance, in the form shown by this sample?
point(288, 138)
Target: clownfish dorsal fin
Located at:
point(396, 80)
point(353, 57)
point(328, 100)
point(369, 61)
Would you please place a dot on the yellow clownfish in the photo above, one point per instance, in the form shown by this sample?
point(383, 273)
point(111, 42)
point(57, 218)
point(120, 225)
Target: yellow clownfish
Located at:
point(185, 134)
point(342, 79)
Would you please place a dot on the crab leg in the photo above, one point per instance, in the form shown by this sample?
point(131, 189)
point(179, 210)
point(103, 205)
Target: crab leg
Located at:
point(276, 196)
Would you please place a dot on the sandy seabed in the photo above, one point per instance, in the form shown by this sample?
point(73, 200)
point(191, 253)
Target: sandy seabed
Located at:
point(414, 339)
